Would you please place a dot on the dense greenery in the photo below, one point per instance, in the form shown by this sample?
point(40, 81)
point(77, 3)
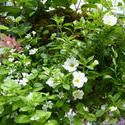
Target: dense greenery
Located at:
point(62, 66)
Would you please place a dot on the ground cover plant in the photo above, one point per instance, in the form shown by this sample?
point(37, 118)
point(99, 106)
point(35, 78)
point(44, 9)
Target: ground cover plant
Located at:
point(62, 62)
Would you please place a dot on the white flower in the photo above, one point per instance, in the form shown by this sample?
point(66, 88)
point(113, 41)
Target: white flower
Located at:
point(123, 105)
point(71, 64)
point(33, 32)
point(10, 17)
point(70, 114)
point(9, 3)
point(27, 63)
point(35, 117)
point(30, 95)
point(28, 36)
point(17, 62)
point(28, 47)
point(86, 109)
point(101, 7)
point(49, 104)
point(11, 59)
point(112, 108)
point(23, 81)
point(25, 74)
point(61, 95)
point(33, 51)
point(12, 50)
point(103, 107)
point(88, 123)
point(16, 81)
point(78, 94)
point(44, 107)
point(95, 63)
point(116, 2)
point(118, 10)
point(59, 75)
point(50, 82)
point(109, 19)
point(11, 71)
point(21, 7)
point(79, 79)
point(43, 1)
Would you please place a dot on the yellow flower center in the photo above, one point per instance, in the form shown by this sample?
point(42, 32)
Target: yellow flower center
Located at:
point(109, 22)
point(72, 65)
point(77, 80)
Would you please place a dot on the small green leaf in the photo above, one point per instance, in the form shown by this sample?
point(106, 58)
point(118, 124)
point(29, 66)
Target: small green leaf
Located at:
point(77, 121)
point(59, 103)
point(3, 71)
point(90, 117)
point(1, 1)
point(43, 115)
point(22, 119)
point(66, 86)
point(89, 59)
point(52, 122)
point(18, 19)
point(100, 113)
point(74, 1)
point(2, 27)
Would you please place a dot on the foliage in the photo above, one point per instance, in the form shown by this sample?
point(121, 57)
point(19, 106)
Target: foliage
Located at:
point(75, 77)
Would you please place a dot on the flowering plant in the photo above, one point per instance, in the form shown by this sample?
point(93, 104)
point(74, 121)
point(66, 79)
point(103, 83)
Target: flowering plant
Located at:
point(75, 78)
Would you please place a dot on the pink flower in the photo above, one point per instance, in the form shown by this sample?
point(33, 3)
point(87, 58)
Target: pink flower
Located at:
point(10, 42)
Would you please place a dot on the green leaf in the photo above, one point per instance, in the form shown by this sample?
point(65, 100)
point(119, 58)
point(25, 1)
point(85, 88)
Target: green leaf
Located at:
point(74, 1)
point(11, 10)
point(77, 121)
point(52, 122)
point(61, 2)
point(18, 19)
point(3, 71)
point(107, 77)
point(89, 59)
point(100, 113)
point(2, 27)
point(43, 115)
point(59, 103)
point(90, 117)
point(1, 1)
point(22, 119)
point(66, 86)
point(37, 86)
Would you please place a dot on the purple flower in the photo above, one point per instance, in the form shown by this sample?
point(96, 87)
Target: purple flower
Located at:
point(122, 121)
